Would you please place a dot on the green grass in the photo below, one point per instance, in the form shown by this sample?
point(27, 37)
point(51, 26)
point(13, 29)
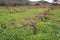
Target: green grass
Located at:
point(46, 30)
point(5, 14)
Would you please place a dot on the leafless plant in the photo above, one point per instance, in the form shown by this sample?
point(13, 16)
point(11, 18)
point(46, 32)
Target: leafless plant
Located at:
point(31, 22)
point(43, 14)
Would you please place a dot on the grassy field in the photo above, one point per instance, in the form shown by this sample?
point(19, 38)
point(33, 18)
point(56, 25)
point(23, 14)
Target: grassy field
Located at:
point(48, 29)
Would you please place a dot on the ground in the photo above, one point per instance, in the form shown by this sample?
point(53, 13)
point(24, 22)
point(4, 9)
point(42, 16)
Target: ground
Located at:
point(11, 18)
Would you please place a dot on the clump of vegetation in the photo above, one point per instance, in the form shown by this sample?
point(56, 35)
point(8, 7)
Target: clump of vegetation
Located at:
point(14, 26)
